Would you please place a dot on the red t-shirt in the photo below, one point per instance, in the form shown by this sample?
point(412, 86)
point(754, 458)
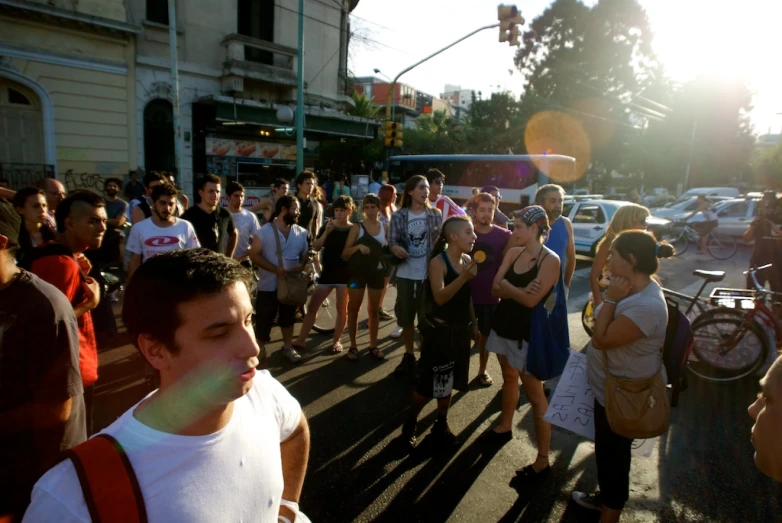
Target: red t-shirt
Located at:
point(64, 273)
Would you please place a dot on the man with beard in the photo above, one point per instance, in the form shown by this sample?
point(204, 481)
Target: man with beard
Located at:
point(141, 208)
point(116, 212)
point(161, 232)
point(560, 238)
point(213, 224)
point(81, 223)
point(487, 253)
point(294, 243)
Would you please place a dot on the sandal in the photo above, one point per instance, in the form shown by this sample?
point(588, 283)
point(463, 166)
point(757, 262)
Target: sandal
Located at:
point(336, 348)
point(485, 379)
point(352, 354)
point(377, 353)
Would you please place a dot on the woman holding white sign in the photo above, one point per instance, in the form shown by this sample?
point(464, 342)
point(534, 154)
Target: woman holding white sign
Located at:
point(628, 338)
point(526, 278)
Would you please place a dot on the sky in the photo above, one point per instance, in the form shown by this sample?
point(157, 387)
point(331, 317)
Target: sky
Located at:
point(690, 37)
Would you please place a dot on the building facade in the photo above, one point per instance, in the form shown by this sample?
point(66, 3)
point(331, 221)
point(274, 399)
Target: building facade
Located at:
point(407, 103)
point(67, 89)
point(237, 68)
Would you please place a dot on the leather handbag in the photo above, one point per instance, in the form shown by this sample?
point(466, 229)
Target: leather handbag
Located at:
point(291, 288)
point(636, 408)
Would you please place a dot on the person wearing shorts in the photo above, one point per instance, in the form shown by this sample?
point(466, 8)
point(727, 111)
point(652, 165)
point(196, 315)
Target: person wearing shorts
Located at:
point(364, 251)
point(490, 245)
point(446, 329)
point(413, 231)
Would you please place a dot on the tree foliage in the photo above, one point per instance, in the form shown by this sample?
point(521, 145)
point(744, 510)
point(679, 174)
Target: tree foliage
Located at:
point(767, 167)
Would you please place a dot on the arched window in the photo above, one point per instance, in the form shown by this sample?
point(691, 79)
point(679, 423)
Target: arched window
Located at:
point(21, 125)
point(159, 136)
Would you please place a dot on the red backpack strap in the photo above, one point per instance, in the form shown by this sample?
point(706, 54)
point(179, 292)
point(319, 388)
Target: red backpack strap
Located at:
point(108, 482)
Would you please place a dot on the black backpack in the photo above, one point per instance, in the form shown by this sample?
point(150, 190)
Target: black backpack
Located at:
point(678, 344)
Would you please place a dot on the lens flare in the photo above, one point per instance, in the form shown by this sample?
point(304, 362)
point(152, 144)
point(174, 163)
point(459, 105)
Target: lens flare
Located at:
point(553, 132)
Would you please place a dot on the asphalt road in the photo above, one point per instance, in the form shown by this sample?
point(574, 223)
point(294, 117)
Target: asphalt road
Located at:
point(701, 470)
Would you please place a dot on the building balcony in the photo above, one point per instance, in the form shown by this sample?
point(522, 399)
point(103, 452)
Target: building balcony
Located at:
point(259, 60)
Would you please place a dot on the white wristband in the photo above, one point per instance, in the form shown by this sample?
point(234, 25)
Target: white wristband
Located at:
point(283, 519)
point(291, 505)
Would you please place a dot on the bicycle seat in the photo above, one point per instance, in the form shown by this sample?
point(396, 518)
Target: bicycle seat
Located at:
point(710, 276)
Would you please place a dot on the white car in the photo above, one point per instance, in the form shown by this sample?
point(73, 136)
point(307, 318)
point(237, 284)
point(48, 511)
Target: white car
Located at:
point(734, 215)
point(680, 206)
point(590, 220)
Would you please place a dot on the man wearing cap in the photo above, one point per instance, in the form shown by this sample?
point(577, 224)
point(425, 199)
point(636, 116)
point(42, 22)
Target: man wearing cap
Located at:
point(41, 395)
point(437, 199)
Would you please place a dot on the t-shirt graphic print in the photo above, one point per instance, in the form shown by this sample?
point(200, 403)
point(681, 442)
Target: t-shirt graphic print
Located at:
point(417, 238)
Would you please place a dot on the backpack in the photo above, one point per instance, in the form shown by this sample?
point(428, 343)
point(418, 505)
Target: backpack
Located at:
point(676, 350)
point(108, 482)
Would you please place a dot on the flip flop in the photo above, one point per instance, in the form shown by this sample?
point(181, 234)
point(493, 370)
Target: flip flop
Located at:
point(336, 348)
point(485, 380)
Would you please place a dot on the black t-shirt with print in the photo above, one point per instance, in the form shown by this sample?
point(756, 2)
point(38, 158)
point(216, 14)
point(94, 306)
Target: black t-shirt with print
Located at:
point(39, 362)
point(212, 228)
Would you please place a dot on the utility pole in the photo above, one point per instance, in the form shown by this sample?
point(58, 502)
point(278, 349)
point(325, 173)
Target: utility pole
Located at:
point(300, 94)
point(172, 42)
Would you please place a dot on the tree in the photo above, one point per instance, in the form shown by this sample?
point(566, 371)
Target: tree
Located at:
point(364, 107)
point(767, 167)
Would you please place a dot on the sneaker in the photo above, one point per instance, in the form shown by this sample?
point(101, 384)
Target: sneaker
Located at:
point(406, 366)
point(409, 434)
point(291, 354)
point(588, 501)
point(397, 332)
point(385, 315)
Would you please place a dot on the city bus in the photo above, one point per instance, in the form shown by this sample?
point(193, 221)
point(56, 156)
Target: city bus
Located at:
point(514, 175)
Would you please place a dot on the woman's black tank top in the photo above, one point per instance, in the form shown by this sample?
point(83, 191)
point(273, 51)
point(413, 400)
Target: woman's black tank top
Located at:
point(455, 311)
point(511, 319)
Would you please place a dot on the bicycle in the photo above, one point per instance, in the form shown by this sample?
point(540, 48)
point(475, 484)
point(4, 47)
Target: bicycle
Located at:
point(720, 246)
point(696, 303)
point(731, 341)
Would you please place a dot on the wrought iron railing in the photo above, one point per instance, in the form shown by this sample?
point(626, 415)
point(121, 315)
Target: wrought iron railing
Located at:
point(20, 175)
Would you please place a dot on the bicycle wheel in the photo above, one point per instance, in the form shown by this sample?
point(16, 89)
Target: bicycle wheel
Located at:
point(678, 239)
point(713, 360)
point(326, 319)
point(721, 246)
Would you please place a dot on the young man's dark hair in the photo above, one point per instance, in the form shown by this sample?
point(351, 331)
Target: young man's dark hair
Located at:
point(76, 197)
point(279, 182)
point(306, 175)
point(175, 277)
point(20, 198)
point(107, 181)
point(164, 189)
point(232, 187)
point(153, 176)
point(283, 202)
point(434, 174)
point(207, 178)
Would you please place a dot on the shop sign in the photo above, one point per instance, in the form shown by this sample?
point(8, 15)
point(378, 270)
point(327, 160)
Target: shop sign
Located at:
point(250, 149)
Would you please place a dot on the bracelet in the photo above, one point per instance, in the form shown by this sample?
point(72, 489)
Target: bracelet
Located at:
point(612, 302)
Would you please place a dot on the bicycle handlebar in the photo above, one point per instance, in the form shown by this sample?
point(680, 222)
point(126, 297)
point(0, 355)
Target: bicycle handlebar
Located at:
point(758, 287)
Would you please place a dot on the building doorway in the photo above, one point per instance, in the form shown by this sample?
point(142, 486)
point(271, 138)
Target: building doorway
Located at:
point(21, 125)
point(159, 136)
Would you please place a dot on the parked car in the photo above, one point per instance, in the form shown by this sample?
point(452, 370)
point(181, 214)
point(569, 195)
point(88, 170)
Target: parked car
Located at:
point(590, 220)
point(681, 206)
point(734, 215)
point(710, 192)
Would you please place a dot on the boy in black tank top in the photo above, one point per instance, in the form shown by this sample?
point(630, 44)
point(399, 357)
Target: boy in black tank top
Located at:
point(447, 328)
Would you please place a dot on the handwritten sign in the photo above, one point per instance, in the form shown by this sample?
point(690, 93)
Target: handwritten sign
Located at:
point(572, 405)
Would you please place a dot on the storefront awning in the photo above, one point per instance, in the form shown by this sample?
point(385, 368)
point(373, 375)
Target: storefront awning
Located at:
point(334, 124)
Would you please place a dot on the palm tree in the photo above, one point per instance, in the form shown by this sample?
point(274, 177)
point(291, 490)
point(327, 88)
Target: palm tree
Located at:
point(365, 107)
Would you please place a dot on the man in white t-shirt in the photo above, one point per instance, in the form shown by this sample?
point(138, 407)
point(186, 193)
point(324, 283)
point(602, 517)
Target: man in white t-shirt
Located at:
point(437, 199)
point(217, 441)
point(161, 232)
point(245, 222)
point(412, 233)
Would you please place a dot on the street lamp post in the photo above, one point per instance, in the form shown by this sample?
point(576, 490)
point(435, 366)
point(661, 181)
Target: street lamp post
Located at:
point(300, 94)
point(174, 64)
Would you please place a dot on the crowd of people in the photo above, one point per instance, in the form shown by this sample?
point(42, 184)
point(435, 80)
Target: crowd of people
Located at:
point(461, 277)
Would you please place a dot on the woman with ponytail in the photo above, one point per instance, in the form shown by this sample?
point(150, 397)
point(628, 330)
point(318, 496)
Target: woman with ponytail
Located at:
point(629, 334)
point(446, 329)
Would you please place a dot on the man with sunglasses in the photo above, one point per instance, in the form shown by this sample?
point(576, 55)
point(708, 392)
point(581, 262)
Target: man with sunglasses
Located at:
point(447, 206)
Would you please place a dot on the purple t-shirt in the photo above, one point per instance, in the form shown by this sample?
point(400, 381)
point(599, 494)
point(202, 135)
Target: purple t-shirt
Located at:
point(488, 253)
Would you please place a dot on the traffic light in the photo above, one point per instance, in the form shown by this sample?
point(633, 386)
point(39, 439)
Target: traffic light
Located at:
point(509, 18)
point(393, 134)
